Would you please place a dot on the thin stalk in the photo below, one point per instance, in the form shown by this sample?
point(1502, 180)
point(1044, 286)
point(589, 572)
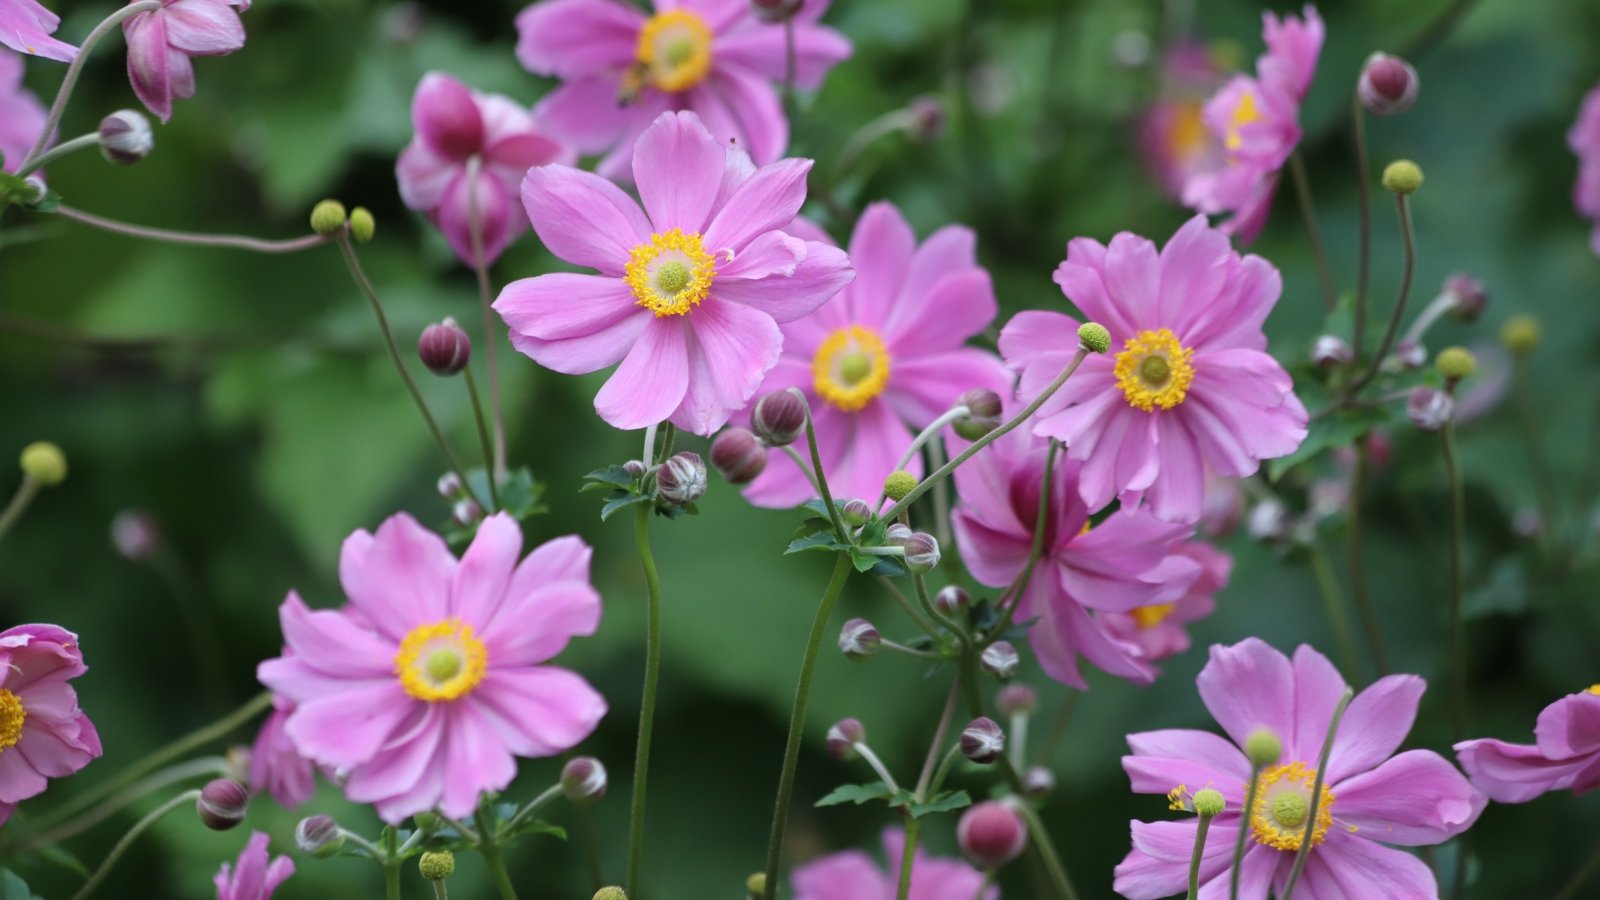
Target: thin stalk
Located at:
point(19, 503)
point(65, 148)
point(491, 856)
point(480, 265)
point(1047, 850)
point(926, 777)
point(822, 477)
point(391, 865)
point(532, 806)
point(127, 840)
point(190, 238)
point(1194, 859)
point(867, 135)
point(1364, 195)
point(921, 618)
point(923, 436)
point(483, 438)
point(908, 854)
point(440, 892)
point(804, 468)
point(797, 720)
point(1358, 577)
point(1586, 871)
point(70, 80)
point(209, 765)
point(1458, 540)
point(1041, 519)
point(911, 651)
point(1403, 210)
point(1245, 813)
point(941, 503)
point(949, 760)
point(591, 847)
point(647, 708)
point(1333, 602)
point(1308, 212)
point(877, 766)
point(790, 65)
point(1058, 728)
point(1307, 837)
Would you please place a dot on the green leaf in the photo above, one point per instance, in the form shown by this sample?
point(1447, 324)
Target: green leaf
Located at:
point(622, 501)
point(1336, 429)
point(12, 887)
point(946, 801)
point(610, 476)
point(877, 565)
point(818, 508)
point(63, 858)
point(819, 540)
point(538, 826)
point(857, 794)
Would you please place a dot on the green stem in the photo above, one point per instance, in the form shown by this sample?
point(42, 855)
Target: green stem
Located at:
point(1245, 813)
point(532, 806)
point(190, 238)
point(1403, 210)
point(1194, 859)
point(1333, 602)
point(19, 503)
point(908, 855)
point(1364, 196)
point(128, 839)
point(391, 865)
point(214, 766)
point(1014, 593)
point(797, 720)
point(821, 476)
point(1047, 850)
point(1302, 189)
point(65, 148)
point(440, 892)
point(1458, 540)
point(491, 856)
point(1538, 460)
point(920, 617)
point(1358, 577)
point(489, 467)
point(70, 80)
point(1586, 871)
point(1058, 729)
point(1307, 838)
point(925, 779)
point(647, 708)
point(481, 267)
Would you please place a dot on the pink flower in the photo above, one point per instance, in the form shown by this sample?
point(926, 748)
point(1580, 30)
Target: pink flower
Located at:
point(25, 27)
point(853, 875)
point(688, 299)
point(425, 689)
point(1191, 388)
point(255, 878)
point(1126, 562)
point(1257, 121)
point(1156, 632)
point(885, 356)
point(1584, 139)
point(1173, 138)
point(22, 116)
point(470, 153)
point(1566, 755)
point(43, 733)
point(623, 68)
point(1368, 794)
point(161, 43)
point(275, 765)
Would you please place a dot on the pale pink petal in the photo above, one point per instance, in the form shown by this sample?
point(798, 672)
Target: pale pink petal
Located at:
point(583, 218)
point(540, 711)
point(568, 38)
point(330, 642)
point(18, 780)
point(1317, 689)
point(743, 108)
point(560, 559)
point(565, 305)
point(26, 28)
point(1035, 333)
point(765, 51)
point(1374, 725)
point(1158, 865)
point(484, 573)
point(1195, 264)
point(1133, 277)
point(817, 278)
point(771, 254)
point(851, 875)
point(146, 34)
point(398, 767)
point(1357, 869)
point(881, 248)
point(1082, 277)
point(732, 347)
point(1162, 760)
point(1178, 495)
point(957, 307)
point(407, 573)
point(922, 388)
point(1414, 799)
point(589, 353)
point(346, 729)
point(589, 114)
point(535, 626)
point(1246, 686)
point(767, 200)
point(678, 167)
point(1570, 726)
point(203, 27)
point(474, 757)
point(653, 378)
point(423, 176)
point(1517, 773)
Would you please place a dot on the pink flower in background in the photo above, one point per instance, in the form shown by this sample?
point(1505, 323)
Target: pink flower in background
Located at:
point(886, 356)
point(622, 68)
point(22, 116)
point(1173, 138)
point(469, 156)
point(1566, 755)
point(1584, 139)
point(162, 42)
point(853, 875)
point(255, 877)
point(690, 296)
point(276, 766)
point(1127, 562)
point(1257, 122)
point(1369, 795)
point(43, 733)
point(25, 27)
point(434, 679)
point(1191, 387)
point(1155, 632)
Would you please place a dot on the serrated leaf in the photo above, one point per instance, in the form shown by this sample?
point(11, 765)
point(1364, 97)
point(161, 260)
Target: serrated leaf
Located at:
point(622, 501)
point(947, 801)
point(857, 794)
point(610, 476)
point(819, 540)
point(1336, 429)
point(877, 565)
point(817, 508)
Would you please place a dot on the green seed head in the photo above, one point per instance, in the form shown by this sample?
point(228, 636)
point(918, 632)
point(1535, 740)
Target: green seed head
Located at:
point(1094, 337)
point(1402, 177)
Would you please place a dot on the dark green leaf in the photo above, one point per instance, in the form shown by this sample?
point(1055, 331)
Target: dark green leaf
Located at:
point(819, 540)
point(620, 501)
point(946, 801)
point(610, 476)
point(857, 794)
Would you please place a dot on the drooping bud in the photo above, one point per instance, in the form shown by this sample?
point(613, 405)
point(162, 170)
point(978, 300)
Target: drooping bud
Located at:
point(1094, 337)
point(327, 217)
point(899, 484)
point(776, 10)
point(1000, 659)
point(466, 513)
point(1468, 297)
point(681, 480)
point(855, 512)
point(1015, 699)
point(1209, 802)
point(991, 834)
point(610, 893)
point(135, 535)
point(1331, 350)
point(779, 418)
point(222, 803)
point(436, 865)
point(1388, 85)
point(1429, 409)
point(1402, 177)
point(952, 600)
point(1521, 334)
point(983, 416)
point(445, 348)
point(362, 225)
point(859, 639)
point(738, 455)
point(583, 778)
point(922, 553)
point(756, 885)
point(982, 741)
point(1263, 747)
point(927, 118)
point(843, 738)
point(44, 462)
point(1455, 363)
point(319, 836)
point(125, 137)
point(1038, 782)
point(450, 486)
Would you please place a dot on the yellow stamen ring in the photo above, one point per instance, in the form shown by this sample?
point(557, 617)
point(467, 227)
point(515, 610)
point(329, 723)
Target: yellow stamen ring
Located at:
point(850, 368)
point(1154, 370)
point(1282, 803)
point(672, 274)
point(12, 715)
point(442, 661)
point(674, 50)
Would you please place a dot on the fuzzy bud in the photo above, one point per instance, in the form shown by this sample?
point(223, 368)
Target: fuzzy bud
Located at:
point(1429, 409)
point(222, 803)
point(1000, 659)
point(738, 455)
point(779, 418)
point(1408, 355)
point(756, 885)
point(436, 865)
point(44, 463)
point(319, 836)
point(982, 741)
point(135, 535)
point(125, 137)
point(843, 738)
point(1209, 802)
point(1455, 363)
point(952, 599)
point(466, 513)
point(1094, 337)
point(610, 893)
point(1468, 297)
point(859, 639)
point(1263, 747)
point(927, 118)
point(898, 534)
point(1521, 334)
point(1038, 782)
point(1388, 85)
point(681, 480)
point(327, 217)
point(362, 225)
point(855, 512)
point(922, 553)
point(1402, 177)
point(983, 414)
point(776, 10)
point(444, 348)
point(1015, 699)
point(1331, 350)
point(450, 486)
point(991, 834)
point(635, 468)
point(583, 778)
point(899, 484)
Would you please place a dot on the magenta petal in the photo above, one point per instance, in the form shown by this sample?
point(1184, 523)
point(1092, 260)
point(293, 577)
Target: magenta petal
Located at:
point(203, 27)
point(1347, 866)
point(18, 780)
point(1033, 333)
point(484, 572)
point(1133, 276)
point(1247, 686)
point(957, 307)
point(590, 352)
point(498, 220)
point(146, 34)
point(1414, 799)
point(994, 557)
point(1516, 773)
point(764, 50)
point(767, 200)
point(734, 345)
point(817, 278)
point(1375, 724)
point(881, 246)
point(568, 38)
point(540, 711)
point(1082, 277)
point(1570, 726)
point(1318, 687)
point(653, 378)
point(851, 875)
point(583, 218)
point(25, 27)
point(678, 168)
point(587, 113)
point(446, 116)
point(1162, 760)
point(565, 305)
point(1195, 264)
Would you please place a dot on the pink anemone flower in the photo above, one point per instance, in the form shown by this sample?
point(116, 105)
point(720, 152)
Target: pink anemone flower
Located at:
point(1369, 796)
point(26, 27)
point(886, 356)
point(1153, 633)
point(1173, 138)
point(43, 733)
point(22, 116)
point(853, 875)
point(275, 765)
point(468, 159)
point(428, 687)
point(691, 290)
point(1257, 122)
point(1565, 755)
point(1127, 562)
point(1187, 385)
point(623, 68)
point(162, 42)
point(256, 876)
point(1584, 139)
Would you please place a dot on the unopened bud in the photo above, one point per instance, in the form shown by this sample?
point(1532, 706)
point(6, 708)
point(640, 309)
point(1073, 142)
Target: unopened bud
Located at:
point(1402, 177)
point(897, 534)
point(444, 348)
point(327, 217)
point(681, 480)
point(635, 468)
point(1038, 782)
point(1388, 85)
point(583, 778)
point(1468, 297)
point(1331, 350)
point(1267, 521)
point(982, 741)
point(466, 513)
point(738, 455)
point(855, 512)
point(1429, 409)
point(1409, 355)
point(983, 415)
point(1263, 747)
point(610, 893)
point(991, 834)
point(927, 118)
point(450, 486)
point(859, 639)
point(44, 462)
point(428, 821)
point(362, 225)
point(1209, 802)
point(843, 738)
point(135, 535)
point(1000, 659)
point(125, 137)
point(1094, 337)
point(922, 553)
point(1521, 334)
point(779, 418)
point(1455, 363)
point(319, 836)
point(775, 10)
point(952, 599)
point(899, 484)
point(222, 803)
point(1017, 698)
point(436, 865)
point(756, 885)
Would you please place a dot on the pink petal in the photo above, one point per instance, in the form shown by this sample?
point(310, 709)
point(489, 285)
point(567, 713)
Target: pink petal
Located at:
point(1035, 333)
point(958, 306)
point(1162, 760)
point(1317, 689)
point(400, 766)
point(881, 246)
point(1517, 773)
point(1247, 686)
point(1375, 724)
point(405, 577)
point(484, 573)
point(1158, 865)
point(1194, 265)
point(1178, 493)
point(1236, 318)
point(446, 116)
point(329, 642)
point(544, 620)
point(923, 387)
point(653, 378)
point(423, 176)
point(817, 278)
point(878, 440)
point(768, 200)
point(1133, 279)
point(589, 114)
point(743, 107)
point(146, 34)
point(678, 167)
point(773, 254)
point(1082, 277)
point(1348, 866)
point(993, 556)
point(27, 29)
point(346, 729)
point(498, 220)
point(475, 760)
point(565, 305)
point(203, 27)
point(540, 711)
point(18, 780)
point(583, 218)
point(589, 353)
point(1414, 799)
point(568, 38)
point(733, 347)
point(850, 875)
point(1570, 726)
point(764, 50)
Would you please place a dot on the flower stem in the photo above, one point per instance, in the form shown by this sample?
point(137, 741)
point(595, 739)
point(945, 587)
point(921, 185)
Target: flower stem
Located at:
point(797, 719)
point(1302, 189)
point(925, 779)
point(529, 809)
point(1538, 460)
point(128, 839)
point(1047, 851)
point(822, 477)
point(647, 707)
point(391, 865)
point(1410, 244)
point(791, 65)
point(1194, 859)
point(591, 847)
point(923, 436)
point(1014, 593)
point(215, 766)
point(1358, 578)
point(1333, 602)
point(491, 855)
point(190, 238)
point(1058, 728)
point(1364, 195)
point(908, 855)
point(483, 439)
point(1245, 812)
point(440, 892)
point(19, 503)
point(70, 80)
point(65, 148)
point(1307, 838)
point(481, 267)
point(1458, 540)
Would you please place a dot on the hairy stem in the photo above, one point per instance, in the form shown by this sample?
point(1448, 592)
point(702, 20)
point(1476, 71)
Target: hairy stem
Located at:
point(190, 238)
point(1194, 858)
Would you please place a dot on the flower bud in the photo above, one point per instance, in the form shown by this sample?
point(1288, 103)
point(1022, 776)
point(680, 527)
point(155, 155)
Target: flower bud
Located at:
point(681, 480)
point(1209, 802)
point(635, 468)
point(428, 821)
point(899, 484)
point(1429, 409)
point(952, 600)
point(1388, 85)
point(991, 834)
point(1263, 747)
point(1455, 363)
point(1093, 337)
point(222, 803)
point(1468, 297)
point(779, 418)
point(922, 553)
point(984, 411)
point(319, 836)
point(982, 741)
point(776, 10)
point(756, 885)
point(898, 534)
point(1038, 782)
point(1521, 334)
point(44, 462)
point(125, 137)
point(327, 217)
point(583, 778)
point(738, 455)
point(927, 118)
point(1000, 659)
point(362, 225)
point(855, 512)
point(1268, 520)
point(843, 738)
point(466, 513)
point(1331, 350)
point(1402, 177)
point(450, 486)
point(444, 348)
point(1408, 355)
point(610, 893)
point(1016, 698)
point(436, 865)
point(859, 639)
point(135, 535)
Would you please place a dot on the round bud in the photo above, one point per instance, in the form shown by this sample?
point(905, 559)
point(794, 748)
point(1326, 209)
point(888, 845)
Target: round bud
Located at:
point(1408, 355)
point(436, 865)
point(1015, 699)
point(779, 417)
point(222, 803)
point(859, 639)
point(756, 885)
point(635, 468)
point(319, 836)
point(681, 480)
point(1402, 177)
point(450, 486)
point(843, 738)
point(1388, 85)
point(1521, 334)
point(1094, 337)
point(1468, 297)
point(1429, 409)
point(327, 217)
point(44, 462)
point(855, 512)
point(1455, 363)
point(444, 348)
point(1263, 747)
point(738, 455)
point(135, 535)
point(1000, 659)
point(466, 513)
point(775, 10)
point(952, 599)
point(1038, 782)
point(125, 137)
point(922, 553)
point(1268, 520)
point(991, 834)
point(610, 893)
point(898, 484)
point(898, 534)
point(982, 741)
point(428, 821)
point(983, 415)
point(583, 778)
point(1331, 350)
point(362, 225)
point(1208, 802)
point(927, 118)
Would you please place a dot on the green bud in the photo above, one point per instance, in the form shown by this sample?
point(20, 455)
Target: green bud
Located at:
point(899, 484)
point(362, 225)
point(1263, 746)
point(427, 822)
point(757, 885)
point(610, 893)
point(1455, 363)
point(1402, 177)
point(1094, 337)
point(45, 463)
point(1209, 803)
point(327, 217)
point(1521, 334)
point(436, 865)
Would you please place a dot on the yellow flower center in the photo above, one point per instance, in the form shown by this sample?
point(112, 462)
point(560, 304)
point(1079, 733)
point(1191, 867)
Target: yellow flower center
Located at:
point(675, 50)
point(850, 368)
point(12, 715)
point(1153, 615)
point(1243, 115)
point(1154, 370)
point(1282, 803)
point(671, 274)
point(442, 661)
point(1594, 689)
point(1186, 138)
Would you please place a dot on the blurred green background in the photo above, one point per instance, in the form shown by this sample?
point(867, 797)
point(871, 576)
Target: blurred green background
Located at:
point(245, 403)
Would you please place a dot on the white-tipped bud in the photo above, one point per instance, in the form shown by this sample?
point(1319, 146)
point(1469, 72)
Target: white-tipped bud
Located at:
point(1468, 297)
point(855, 512)
point(125, 137)
point(859, 639)
point(1268, 520)
point(982, 741)
point(1388, 85)
point(221, 804)
point(1000, 659)
point(319, 836)
point(1331, 350)
point(583, 778)
point(983, 416)
point(1038, 782)
point(466, 513)
point(1429, 409)
point(952, 599)
point(922, 552)
point(897, 534)
point(681, 480)
point(635, 468)
point(843, 738)
point(450, 486)
point(1015, 699)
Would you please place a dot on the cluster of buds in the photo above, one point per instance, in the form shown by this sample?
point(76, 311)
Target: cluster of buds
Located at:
point(779, 418)
point(329, 219)
point(464, 511)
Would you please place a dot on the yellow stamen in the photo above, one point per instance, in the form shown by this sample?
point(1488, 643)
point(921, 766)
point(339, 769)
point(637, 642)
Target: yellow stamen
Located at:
point(12, 715)
point(442, 661)
point(671, 274)
point(675, 50)
point(1186, 137)
point(1283, 801)
point(1151, 616)
point(1179, 799)
point(1154, 370)
point(1594, 689)
point(1243, 115)
point(850, 368)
